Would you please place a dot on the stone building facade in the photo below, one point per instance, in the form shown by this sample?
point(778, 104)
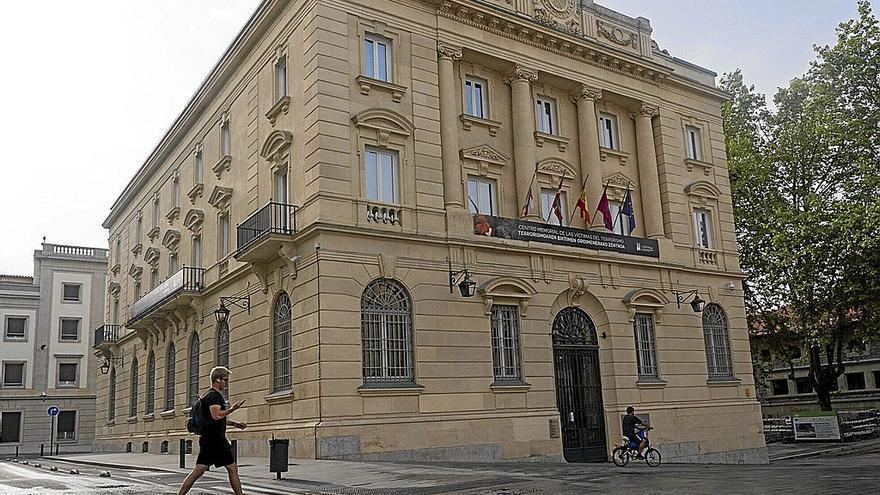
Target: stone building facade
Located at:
point(45, 351)
point(344, 157)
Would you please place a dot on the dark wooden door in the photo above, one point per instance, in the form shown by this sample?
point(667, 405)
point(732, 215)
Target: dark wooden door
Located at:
point(578, 387)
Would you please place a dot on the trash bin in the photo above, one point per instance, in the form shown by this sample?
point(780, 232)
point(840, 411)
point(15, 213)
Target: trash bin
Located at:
point(278, 456)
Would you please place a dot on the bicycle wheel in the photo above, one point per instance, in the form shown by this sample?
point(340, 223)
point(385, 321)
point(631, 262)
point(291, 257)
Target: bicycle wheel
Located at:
point(652, 457)
point(619, 456)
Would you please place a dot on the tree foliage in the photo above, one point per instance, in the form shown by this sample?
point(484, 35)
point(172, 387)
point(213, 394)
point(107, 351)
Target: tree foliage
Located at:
point(805, 181)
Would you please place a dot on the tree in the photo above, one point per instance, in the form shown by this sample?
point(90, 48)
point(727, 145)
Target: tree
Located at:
point(805, 188)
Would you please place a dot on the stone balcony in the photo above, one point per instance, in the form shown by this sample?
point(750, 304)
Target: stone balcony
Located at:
point(261, 235)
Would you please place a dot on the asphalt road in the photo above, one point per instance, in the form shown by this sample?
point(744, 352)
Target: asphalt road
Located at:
point(828, 473)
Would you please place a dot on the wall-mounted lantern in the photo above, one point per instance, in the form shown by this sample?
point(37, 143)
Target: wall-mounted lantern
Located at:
point(462, 279)
point(697, 303)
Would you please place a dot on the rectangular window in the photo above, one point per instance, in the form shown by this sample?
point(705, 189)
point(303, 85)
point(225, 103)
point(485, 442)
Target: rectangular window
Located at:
point(175, 189)
point(67, 374)
point(154, 278)
point(224, 235)
point(66, 430)
point(646, 351)
point(117, 251)
point(545, 112)
point(547, 197)
point(280, 184)
point(381, 175)
point(855, 381)
point(876, 374)
point(377, 57)
point(172, 263)
point(198, 168)
point(13, 374)
point(156, 211)
point(693, 142)
point(482, 197)
point(608, 131)
point(505, 343)
point(281, 78)
point(16, 328)
point(69, 329)
point(137, 290)
point(115, 319)
point(475, 97)
point(10, 427)
point(225, 139)
point(702, 228)
point(197, 251)
point(139, 229)
point(619, 221)
point(803, 385)
point(71, 292)
point(780, 387)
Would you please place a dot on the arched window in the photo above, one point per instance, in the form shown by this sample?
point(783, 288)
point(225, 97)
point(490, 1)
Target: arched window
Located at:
point(223, 350)
point(170, 369)
point(111, 403)
point(281, 344)
point(193, 370)
point(133, 404)
point(151, 384)
point(715, 334)
point(386, 332)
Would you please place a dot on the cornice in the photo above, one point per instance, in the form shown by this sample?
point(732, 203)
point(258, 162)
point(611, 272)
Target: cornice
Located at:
point(531, 32)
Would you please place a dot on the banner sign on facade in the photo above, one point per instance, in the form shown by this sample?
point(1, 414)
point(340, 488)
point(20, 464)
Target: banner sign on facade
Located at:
point(522, 230)
point(820, 425)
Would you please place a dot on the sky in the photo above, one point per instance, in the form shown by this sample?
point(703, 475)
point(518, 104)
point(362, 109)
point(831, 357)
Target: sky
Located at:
point(89, 87)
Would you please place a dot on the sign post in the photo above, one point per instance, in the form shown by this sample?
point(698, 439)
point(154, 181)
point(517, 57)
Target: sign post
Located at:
point(52, 411)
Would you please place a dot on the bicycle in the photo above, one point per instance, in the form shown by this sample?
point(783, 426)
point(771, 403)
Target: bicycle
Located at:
point(622, 454)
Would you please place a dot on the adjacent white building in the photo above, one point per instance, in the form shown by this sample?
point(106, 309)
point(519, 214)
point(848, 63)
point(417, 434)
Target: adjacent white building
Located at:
point(45, 356)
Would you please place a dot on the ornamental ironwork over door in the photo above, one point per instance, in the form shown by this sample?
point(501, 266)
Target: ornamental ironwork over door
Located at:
point(579, 386)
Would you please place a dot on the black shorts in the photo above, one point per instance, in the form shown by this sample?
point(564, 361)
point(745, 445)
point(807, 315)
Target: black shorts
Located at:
point(215, 452)
point(634, 438)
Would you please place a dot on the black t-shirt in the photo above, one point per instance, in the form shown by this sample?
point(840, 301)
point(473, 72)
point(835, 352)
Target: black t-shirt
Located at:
point(213, 430)
point(629, 424)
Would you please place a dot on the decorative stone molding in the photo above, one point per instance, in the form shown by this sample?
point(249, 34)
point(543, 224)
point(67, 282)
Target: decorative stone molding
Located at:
point(579, 286)
point(367, 84)
point(153, 233)
point(520, 73)
point(485, 153)
point(222, 165)
point(622, 156)
point(645, 110)
point(384, 214)
point(135, 271)
point(509, 288)
point(276, 143)
point(585, 93)
point(573, 45)
point(447, 51)
point(647, 301)
point(384, 122)
point(151, 257)
point(171, 239)
point(617, 35)
point(172, 215)
point(282, 106)
point(114, 289)
point(193, 220)
point(220, 197)
point(703, 192)
point(558, 14)
point(690, 163)
point(541, 137)
point(707, 257)
point(136, 250)
point(196, 192)
point(617, 185)
point(467, 121)
point(557, 167)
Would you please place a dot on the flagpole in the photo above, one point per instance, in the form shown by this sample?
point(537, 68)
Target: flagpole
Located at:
point(529, 192)
point(605, 190)
point(554, 197)
point(583, 186)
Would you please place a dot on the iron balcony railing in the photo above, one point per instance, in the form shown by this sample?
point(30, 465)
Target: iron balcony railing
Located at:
point(187, 279)
point(274, 218)
point(106, 334)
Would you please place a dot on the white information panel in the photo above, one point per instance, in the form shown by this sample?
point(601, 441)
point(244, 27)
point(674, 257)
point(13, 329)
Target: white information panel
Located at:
point(816, 426)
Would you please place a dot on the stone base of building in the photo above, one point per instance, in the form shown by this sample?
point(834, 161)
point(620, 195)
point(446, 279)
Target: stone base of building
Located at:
point(690, 453)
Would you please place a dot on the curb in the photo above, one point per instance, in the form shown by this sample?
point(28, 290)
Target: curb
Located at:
point(110, 464)
point(874, 447)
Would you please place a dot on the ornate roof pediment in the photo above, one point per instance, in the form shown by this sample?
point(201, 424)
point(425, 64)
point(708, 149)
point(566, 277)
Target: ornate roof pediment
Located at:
point(557, 166)
point(275, 144)
point(485, 153)
point(220, 197)
point(171, 239)
point(618, 184)
point(384, 120)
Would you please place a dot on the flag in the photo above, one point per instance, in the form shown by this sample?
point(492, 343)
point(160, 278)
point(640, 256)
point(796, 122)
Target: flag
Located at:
point(582, 203)
point(556, 207)
point(605, 209)
point(627, 210)
point(527, 206)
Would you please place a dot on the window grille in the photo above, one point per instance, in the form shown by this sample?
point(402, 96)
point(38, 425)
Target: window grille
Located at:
point(646, 352)
point(66, 429)
point(281, 342)
point(170, 369)
point(386, 331)
point(10, 427)
point(717, 344)
point(505, 343)
point(151, 384)
point(111, 402)
point(133, 404)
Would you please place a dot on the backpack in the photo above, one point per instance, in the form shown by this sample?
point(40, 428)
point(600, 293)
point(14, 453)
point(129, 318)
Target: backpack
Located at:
point(197, 418)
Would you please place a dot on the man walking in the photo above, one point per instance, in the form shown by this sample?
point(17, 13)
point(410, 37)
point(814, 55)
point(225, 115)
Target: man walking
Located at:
point(214, 449)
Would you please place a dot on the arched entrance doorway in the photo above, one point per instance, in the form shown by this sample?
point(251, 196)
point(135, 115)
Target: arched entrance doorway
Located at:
point(578, 386)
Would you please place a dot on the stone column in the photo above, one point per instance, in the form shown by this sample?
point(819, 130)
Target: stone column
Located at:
point(449, 146)
point(588, 143)
point(524, 138)
point(649, 180)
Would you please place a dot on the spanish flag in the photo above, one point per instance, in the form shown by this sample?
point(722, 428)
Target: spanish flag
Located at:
point(582, 204)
